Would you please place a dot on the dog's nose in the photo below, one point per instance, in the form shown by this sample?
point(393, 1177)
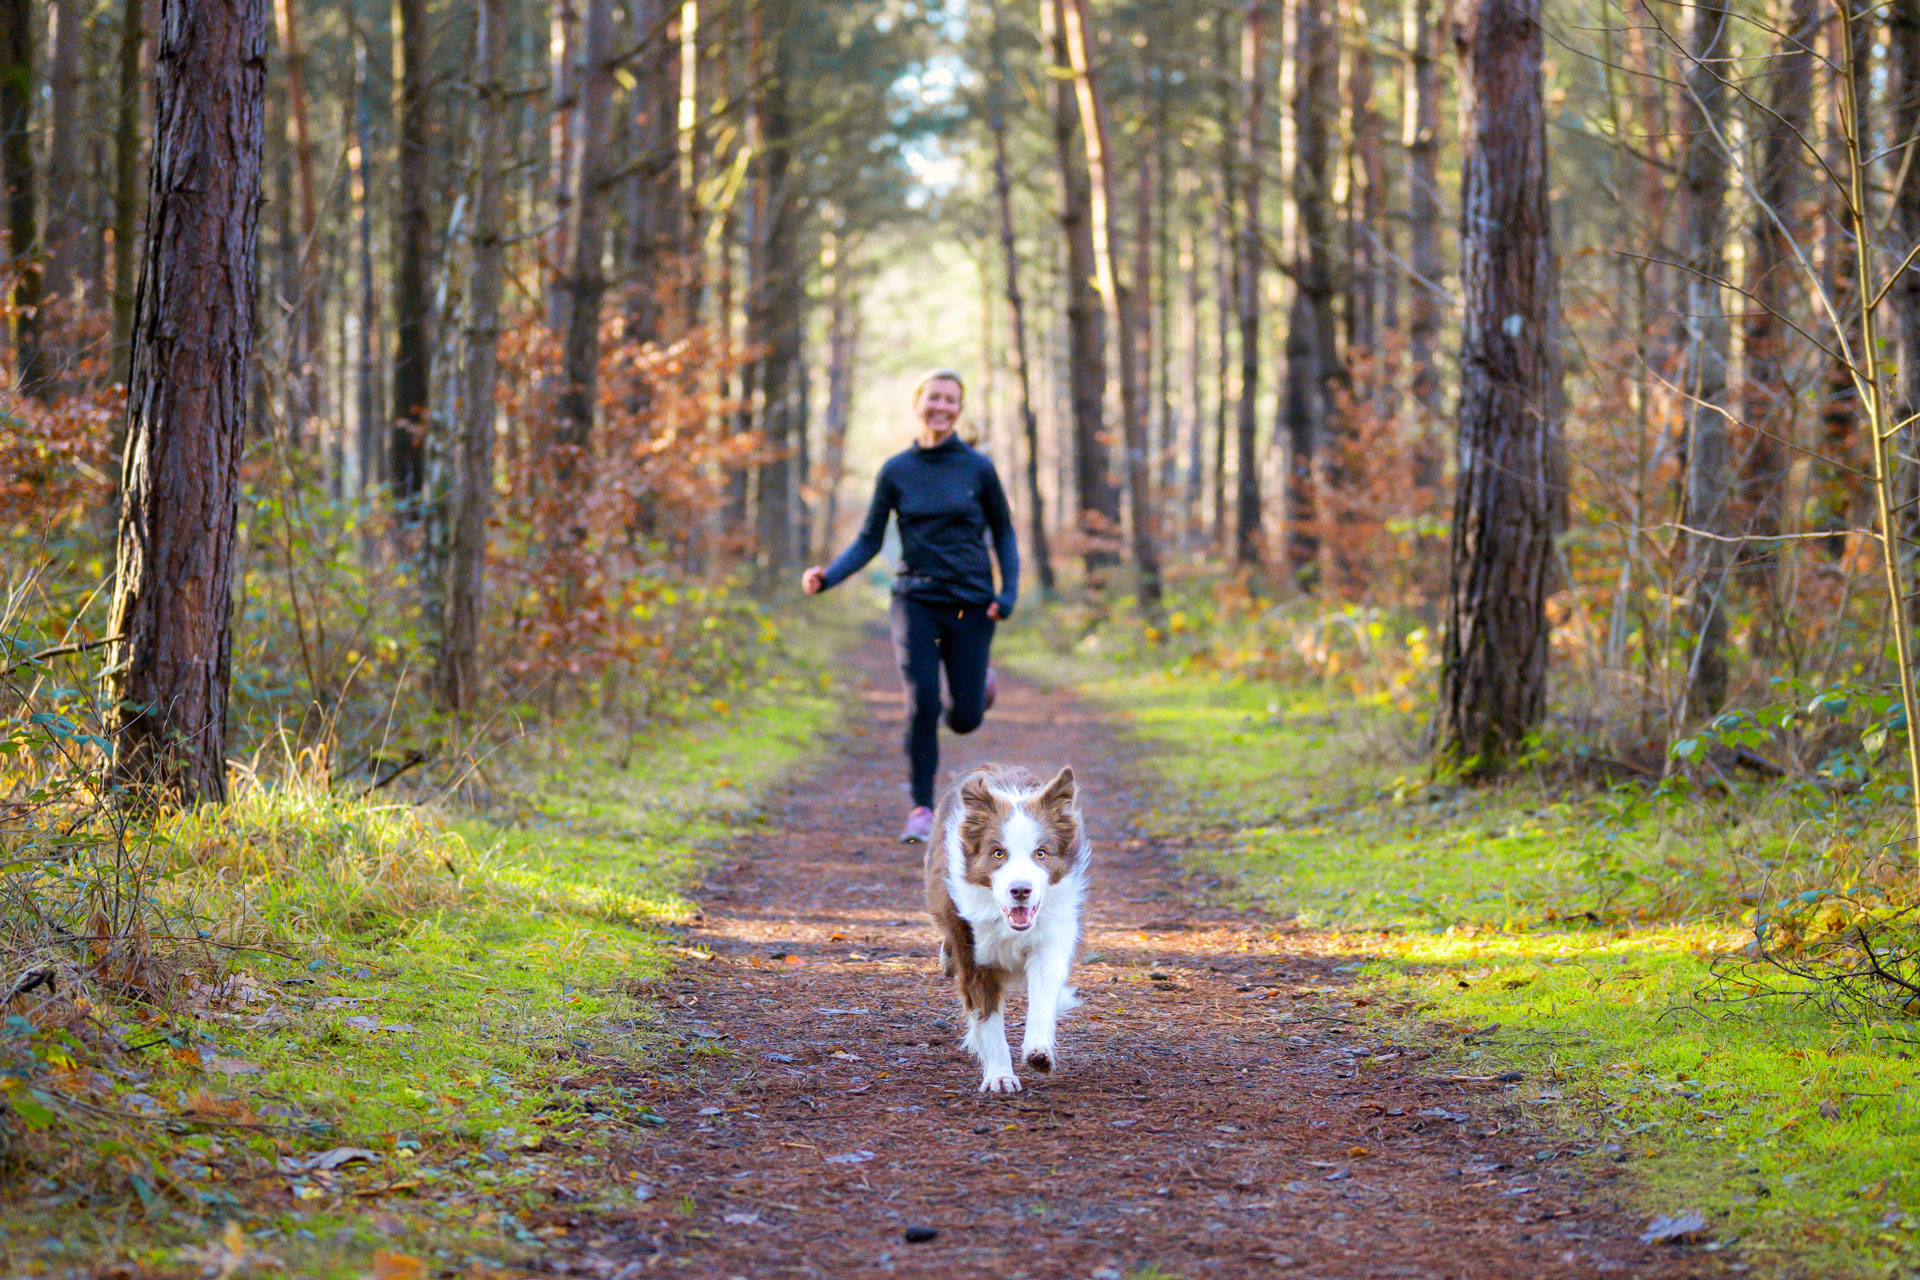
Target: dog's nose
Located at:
point(1020, 892)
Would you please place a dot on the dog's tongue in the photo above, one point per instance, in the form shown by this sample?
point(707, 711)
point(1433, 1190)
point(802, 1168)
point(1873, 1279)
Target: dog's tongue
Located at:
point(1020, 917)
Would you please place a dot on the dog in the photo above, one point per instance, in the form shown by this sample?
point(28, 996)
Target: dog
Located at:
point(1006, 880)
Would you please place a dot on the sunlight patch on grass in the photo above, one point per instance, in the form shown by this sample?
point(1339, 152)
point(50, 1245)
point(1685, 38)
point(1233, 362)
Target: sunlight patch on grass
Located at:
point(1570, 933)
point(417, 983)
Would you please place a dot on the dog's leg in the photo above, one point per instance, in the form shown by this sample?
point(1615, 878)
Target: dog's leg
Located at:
point(983, 994)
point(1048, 996)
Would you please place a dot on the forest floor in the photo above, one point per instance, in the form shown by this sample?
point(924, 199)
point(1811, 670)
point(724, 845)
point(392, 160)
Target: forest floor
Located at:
point(1224, 1107)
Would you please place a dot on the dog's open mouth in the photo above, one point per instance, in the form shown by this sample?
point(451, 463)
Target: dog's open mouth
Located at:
point(1021, 917)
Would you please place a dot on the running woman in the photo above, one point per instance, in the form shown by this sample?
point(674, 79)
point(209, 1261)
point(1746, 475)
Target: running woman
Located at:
point(948, 499)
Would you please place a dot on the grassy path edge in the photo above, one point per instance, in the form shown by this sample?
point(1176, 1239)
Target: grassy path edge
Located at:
point(1793, 1138)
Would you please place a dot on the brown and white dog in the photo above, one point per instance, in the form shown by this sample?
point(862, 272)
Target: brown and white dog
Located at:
point(1006, 878)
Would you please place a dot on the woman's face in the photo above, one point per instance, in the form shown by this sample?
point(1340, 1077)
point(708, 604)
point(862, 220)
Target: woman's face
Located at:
point(939, 406)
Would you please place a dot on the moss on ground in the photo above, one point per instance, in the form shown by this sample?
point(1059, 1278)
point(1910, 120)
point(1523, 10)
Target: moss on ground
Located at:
point(1571, 933)
point(413, 984)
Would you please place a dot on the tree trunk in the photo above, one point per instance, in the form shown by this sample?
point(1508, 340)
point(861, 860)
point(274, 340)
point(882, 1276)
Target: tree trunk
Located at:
point(780, 299)
point(1839, 495)
point(186, 408)
point(412, 251)
point(126, 186)
point(562, 149)
point(368, 400)
point(65, 190)
point(30, 374)
point(1364, 187)
point(1193, 361)
point(1226, 292)
point(1493, 684)
point(1903, 32)
point(843, 345)
point(1770, 401)
point(459, 661)
point(1127, 307)
point(1099, 517)
point(654, 236)
point(1157, 288)
point(585, 283)
point(1425, 292)
point(1709, 485)
point(1314, 444)
point(1247, 547)
point(306, 343)
point(1037, 550)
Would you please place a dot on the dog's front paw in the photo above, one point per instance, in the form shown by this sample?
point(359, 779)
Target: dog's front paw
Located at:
point(1039, 1057)
point(999, 1084)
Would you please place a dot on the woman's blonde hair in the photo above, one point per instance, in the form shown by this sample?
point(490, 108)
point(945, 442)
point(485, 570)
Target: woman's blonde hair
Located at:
point(937, 375)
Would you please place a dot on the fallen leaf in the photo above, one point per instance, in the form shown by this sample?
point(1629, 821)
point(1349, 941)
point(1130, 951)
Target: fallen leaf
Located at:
point(322, 1161)
point(397, 1266)
point(1358, 1153)
point(1681, 1226)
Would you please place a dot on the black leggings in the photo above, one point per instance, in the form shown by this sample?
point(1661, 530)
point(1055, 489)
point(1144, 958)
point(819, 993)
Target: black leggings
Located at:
point(924, 637)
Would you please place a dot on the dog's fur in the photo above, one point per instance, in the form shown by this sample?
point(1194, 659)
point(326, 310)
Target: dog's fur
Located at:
point(1006, 878)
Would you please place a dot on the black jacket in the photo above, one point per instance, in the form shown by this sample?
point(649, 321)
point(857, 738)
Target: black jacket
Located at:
point(948, 498)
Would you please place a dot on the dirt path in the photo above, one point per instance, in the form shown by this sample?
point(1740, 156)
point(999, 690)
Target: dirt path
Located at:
point(1217, 1114)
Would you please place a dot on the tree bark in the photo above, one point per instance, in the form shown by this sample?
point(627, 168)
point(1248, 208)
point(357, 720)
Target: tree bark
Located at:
point(585, 283)
point(126, 186)
point(1038, 551)
point(412, 253)
point(1127, 307)
point(1425, 294)
point(306, 342)
point(1099, 498)
point(459, 662)
point(843, 347)
point(65, 189)
point(1839, 496)
point(563, 41)
point(1311, 418)
point(30, 374)
point(654, 236)
point(1709, 486)
point(1247, 544)
point(368, 400)
point(780, 300)
point(1226, 292)
point(187, 405)
point(1364, 185)
point(1193, 362)
point(1769, 400)
point(1493, 686)
point(1903, 31)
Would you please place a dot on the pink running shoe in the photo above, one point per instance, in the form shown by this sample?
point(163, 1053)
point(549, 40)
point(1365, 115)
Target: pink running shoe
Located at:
point(919, 826)
point(993, 690)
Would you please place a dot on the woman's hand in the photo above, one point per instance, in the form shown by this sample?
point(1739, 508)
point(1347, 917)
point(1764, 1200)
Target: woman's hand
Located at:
point(993, 610)
point(814, 580)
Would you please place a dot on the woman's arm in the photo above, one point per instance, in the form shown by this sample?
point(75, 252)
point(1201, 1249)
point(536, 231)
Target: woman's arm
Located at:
point(867, 543)
point(1006, 548)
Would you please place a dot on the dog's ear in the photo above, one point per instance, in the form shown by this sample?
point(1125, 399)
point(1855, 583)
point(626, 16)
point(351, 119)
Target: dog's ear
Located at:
point(975, 794)
point(1057, 797)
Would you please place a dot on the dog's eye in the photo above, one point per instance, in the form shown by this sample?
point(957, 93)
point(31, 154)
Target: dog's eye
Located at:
point(999, 855)
point(1039, 855)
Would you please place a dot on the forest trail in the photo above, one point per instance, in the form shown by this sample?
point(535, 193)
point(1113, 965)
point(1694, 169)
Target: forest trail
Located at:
point(1217, 1115)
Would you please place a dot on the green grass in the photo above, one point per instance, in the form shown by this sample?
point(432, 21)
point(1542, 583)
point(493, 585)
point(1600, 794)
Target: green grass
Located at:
point(1586, 923)
point(411, 981)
